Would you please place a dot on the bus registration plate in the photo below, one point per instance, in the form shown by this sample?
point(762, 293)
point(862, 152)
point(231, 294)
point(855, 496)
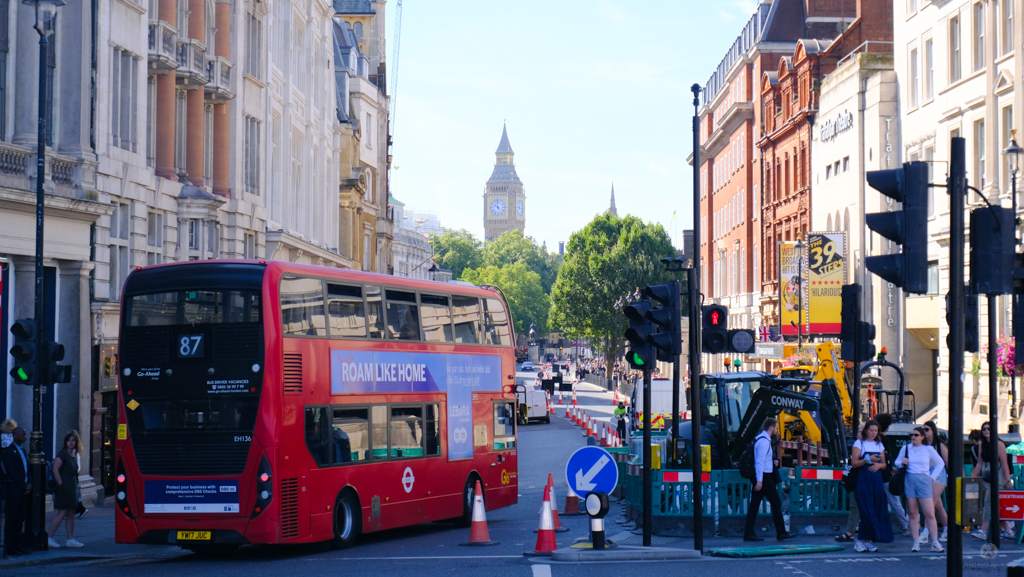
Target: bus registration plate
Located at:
point(194, 535)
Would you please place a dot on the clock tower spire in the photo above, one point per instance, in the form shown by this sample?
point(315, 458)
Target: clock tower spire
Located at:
point(504, 196)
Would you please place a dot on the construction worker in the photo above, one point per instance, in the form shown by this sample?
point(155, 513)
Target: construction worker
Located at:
point(620, 417)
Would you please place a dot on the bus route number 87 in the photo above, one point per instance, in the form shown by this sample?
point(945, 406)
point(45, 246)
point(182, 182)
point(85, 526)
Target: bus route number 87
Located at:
point(190, 346)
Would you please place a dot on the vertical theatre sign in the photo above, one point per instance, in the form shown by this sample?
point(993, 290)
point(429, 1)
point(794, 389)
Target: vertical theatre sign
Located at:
point(790, 288)
point(826, 275)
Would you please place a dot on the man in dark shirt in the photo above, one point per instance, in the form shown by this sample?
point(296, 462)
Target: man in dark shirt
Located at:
point(15, 465)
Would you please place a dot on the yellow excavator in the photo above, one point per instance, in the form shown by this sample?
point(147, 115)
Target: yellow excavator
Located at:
point(794, 424)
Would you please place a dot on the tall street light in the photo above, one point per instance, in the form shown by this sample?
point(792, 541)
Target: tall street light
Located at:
point(46, 11)
point(800, 300)
point(1012, 153)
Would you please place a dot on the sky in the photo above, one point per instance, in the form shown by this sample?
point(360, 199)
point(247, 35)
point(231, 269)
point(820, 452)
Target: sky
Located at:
point(593, 92)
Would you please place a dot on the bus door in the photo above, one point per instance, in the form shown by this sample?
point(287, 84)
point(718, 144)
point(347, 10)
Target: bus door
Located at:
point(412, 480)
point(503, 462)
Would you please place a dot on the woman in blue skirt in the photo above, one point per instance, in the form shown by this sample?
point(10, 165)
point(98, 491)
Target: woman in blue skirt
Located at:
point(869, 457)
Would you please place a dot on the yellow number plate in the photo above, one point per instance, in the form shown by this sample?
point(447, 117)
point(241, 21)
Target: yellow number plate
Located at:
point(193, 535)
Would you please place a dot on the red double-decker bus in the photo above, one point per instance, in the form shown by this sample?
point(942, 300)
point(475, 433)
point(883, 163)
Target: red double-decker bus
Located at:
point(269, 402)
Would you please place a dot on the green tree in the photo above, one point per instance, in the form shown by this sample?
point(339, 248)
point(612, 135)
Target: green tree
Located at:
point(457, 250)
point(512, 247)
point(522, 288)
point(610, 257)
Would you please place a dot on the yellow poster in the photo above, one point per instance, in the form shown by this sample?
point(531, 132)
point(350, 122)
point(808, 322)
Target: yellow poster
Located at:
point(826, 275)
point(790, 267)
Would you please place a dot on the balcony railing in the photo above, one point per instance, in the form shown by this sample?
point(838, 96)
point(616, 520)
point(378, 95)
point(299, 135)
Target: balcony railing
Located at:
point(65, 176)
point(163, 39)
point(191, 58)
point(218, 73)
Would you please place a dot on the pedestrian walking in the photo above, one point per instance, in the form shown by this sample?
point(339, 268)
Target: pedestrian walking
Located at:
point(932, 438)
point(869, 457)
point(15, 467)
point(766, 470)
point(991, 452)
point(65, 496)
point(7, 432)
point(923, 465)
point(884, 421)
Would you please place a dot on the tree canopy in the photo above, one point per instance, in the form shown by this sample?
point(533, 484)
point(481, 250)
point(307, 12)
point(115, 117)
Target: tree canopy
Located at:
point(608, 258)
point(522, 288)
point(457, 250)
point(512, 247)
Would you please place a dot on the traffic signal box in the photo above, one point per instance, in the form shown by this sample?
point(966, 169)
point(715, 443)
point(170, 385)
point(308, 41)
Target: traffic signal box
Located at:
point(908, 227)
point(992, 250)
point(641, 354)
point(668, 340)
point(715, 329)
point(857, 336)
point(24, 352)
point(971, 333)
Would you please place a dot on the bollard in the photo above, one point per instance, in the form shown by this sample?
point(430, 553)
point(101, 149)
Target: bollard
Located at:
point(597, 508)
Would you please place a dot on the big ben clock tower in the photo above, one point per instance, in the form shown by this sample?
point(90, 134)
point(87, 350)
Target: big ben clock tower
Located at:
point(504, 199)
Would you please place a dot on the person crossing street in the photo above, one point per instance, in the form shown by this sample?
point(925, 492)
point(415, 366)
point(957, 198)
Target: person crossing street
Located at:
point(766, 470)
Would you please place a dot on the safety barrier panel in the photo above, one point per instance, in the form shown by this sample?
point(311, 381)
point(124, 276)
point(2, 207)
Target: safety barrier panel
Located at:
point(673, 492)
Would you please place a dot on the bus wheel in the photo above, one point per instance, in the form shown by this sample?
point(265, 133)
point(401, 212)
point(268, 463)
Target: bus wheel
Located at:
point(466, 519)
point(347, 521)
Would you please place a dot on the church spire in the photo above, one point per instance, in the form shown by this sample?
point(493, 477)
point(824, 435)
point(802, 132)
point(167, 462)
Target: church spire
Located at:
point(504, 147)
point(611, 209)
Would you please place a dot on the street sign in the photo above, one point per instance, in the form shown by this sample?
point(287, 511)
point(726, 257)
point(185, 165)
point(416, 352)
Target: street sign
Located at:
point(591, 469)
point(769, 351)
point(1011, 505)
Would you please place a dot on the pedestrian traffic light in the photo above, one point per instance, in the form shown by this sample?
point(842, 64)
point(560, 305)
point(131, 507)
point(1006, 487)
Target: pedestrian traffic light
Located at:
point(850, 316)
point(908, 227)
point(53, 353)
point(670, 339)
point(641, 353)
point(972, 337)
point(24, 352)
point(714, 331)
point(865, 342)
point(992, 250)
point(741, 341)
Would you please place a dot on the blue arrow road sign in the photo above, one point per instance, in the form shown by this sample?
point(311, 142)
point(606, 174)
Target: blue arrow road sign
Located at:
point(591, 469)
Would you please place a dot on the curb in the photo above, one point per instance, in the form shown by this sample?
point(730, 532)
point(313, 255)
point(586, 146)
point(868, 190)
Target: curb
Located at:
point(624, 553)
point(27, 563)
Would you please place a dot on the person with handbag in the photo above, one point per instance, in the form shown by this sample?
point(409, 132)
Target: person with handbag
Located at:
point(992, 453)
point(869, 457)
point(920, 466)
point(931, 437)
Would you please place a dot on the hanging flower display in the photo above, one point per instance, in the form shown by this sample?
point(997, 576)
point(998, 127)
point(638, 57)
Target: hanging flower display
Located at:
point(1005, 353)
point(801, 358)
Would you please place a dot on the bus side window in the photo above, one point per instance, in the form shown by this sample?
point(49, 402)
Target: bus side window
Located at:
point(345, 309)
point(504, 425)
point(407, 431)
point(466, 313)
point(351, 435)
point(374, 312)
point(433, 430)
point(496, 324)
point(302, 307)
point(403, 321)
point(437, 318)
point(379, 432)
point(316, 434)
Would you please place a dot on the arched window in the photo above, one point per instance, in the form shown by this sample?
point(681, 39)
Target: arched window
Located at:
point(828, 223)
point(357, 29)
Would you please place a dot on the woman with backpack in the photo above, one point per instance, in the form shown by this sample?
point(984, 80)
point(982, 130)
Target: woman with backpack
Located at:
point(65, 496)
point(923, 465)
point(869, 457)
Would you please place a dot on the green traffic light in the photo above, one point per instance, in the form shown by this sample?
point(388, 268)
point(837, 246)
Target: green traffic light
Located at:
point(637, 359)
point(20, 374)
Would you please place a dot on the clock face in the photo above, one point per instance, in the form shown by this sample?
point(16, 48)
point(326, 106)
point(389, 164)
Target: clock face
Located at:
point(519, 207)
point(497, 207)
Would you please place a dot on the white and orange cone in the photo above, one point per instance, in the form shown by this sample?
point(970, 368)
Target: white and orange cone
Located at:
point(572, 504)
point(478, 534)
point(546, 531)
point(574, 395)
point(554, 507)
point(567, 415)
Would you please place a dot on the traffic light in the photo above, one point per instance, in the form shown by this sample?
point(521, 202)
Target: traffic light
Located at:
point(972, 338)
point(670, 339)
point(865, 345)
point(850, 316)
point(908, 227)
point(714, 332)
point(641, 353)
point(24, 352)
point(53, 353)
point(741, 341)
point(992, 250)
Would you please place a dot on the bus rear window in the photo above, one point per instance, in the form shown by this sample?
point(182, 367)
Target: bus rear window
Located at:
point(193, 307)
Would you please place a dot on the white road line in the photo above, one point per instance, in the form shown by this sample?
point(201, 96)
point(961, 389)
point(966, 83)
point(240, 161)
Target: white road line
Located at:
point(541, 570)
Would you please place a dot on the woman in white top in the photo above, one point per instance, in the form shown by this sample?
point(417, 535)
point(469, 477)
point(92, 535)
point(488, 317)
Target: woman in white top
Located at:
point(924, 465)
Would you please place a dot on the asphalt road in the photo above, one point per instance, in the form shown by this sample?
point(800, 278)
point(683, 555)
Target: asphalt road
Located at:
point(433, 549)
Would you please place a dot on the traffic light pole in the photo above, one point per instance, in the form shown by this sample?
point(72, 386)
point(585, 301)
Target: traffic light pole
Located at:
point(956, 187)
point(695, 324)
point(993, 416)
point(648, 486)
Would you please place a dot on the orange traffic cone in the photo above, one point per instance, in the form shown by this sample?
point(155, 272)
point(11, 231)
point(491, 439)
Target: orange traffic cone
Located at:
point(572, 504)
point(551, 408)
point(574, 395)
point(567, 415)
point(546, 531)
point(604, 435)
point(615, 398)
point(554, 507)
point(478, 535)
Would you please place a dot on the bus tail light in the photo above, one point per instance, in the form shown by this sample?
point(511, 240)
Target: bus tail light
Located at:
point(121, 491)
point(264, 487)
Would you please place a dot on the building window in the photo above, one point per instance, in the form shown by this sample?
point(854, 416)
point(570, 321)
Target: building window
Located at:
point(254, 43)
point(929, 69)
point(979, 152)
point(154, 238)
point(250, 245)
point(151, 121)
point(193, 234)
point(366, 251)
point(828, 172)
point(933, 277)
point(119, 233)
point(1006, 126)
point(846, 163)
point(914, 78)
point(208, 145)
point(979, 36)
point(1007, 27)
point(954, 49)
point(124, 98)
point(357, 29)
point(252, 154)
point(180, 131)
point(368, 131)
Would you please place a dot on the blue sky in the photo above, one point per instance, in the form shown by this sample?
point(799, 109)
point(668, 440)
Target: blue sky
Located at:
point(593, 92)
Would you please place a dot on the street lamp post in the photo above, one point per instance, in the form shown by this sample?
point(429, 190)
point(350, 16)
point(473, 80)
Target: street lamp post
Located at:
point(800, 296)
point(1013, 152)
point(46, 11)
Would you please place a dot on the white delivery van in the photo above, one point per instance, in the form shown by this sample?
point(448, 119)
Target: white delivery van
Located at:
point(661, 401)
point(535, 400)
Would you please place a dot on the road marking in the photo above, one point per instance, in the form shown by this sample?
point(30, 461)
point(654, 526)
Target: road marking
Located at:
point(423, 557)
point(541, 570)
